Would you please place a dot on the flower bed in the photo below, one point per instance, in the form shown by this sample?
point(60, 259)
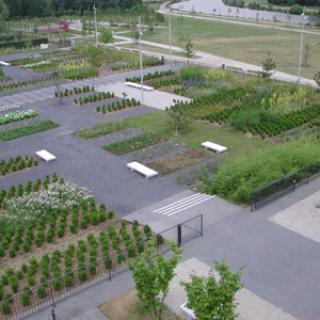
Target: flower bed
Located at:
point(132, 144)
point(17, 116)
point(73, 91)
point(118, 105)
point(94, 98)
point(55, 212)
point(16, 164)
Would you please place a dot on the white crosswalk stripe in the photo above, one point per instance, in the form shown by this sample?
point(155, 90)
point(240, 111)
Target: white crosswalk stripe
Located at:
point(183, 204)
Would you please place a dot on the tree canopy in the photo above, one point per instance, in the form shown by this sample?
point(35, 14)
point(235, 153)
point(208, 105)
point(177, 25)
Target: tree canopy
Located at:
point(20, 8)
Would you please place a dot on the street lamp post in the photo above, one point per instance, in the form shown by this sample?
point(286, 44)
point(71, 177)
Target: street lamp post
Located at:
point(301, 45)
point(170, 37)
point(95, 23)
point(139, 30)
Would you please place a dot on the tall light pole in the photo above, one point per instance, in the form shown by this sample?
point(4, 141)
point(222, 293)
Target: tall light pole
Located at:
point(95, 23)
point(139, 30)
point(170, 37)
point(301, 45)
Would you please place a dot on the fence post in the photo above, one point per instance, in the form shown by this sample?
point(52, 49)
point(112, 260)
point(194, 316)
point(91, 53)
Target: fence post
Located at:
point(179, 235)
point(201, 226)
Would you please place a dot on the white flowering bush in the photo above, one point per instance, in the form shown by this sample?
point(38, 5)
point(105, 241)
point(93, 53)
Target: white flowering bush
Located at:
point(40, 203)
point(17, 116)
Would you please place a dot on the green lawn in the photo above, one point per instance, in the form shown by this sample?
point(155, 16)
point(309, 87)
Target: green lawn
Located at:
point(243, 42)
point(27, 130)
point(200, 132)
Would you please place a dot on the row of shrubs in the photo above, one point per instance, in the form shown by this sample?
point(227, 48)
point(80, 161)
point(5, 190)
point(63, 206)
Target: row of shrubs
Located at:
point(134, 143)
point(80, 262)
point(151, 76)
point(94, 98)
point(118, 105)
point(73, 91)
point(17, 116)
point(16, 164)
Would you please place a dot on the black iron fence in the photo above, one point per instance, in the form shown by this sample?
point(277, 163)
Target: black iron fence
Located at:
point(37, 298)
point(284, 185)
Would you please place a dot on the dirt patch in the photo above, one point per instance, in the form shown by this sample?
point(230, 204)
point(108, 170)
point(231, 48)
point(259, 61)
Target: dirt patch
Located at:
point(179, 160)
point(126, 307)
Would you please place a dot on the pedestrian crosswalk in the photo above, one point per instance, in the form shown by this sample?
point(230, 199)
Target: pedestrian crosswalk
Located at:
point(183, 204)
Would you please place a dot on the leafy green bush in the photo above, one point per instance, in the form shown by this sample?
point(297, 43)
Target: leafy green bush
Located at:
point(237, 177)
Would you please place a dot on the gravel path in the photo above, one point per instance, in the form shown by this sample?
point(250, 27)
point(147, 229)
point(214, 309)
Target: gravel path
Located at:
point(250, 306)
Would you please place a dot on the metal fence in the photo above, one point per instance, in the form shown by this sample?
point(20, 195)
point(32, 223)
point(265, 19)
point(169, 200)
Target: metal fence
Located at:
point(284, 185)
point(106, 269)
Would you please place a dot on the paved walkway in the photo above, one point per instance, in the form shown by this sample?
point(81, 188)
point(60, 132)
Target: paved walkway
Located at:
point(215, 61)
point(48, 92)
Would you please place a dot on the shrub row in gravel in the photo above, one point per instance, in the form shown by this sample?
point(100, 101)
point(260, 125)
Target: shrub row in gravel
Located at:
point(94, 98)
point(118, 105)
point(16, 164)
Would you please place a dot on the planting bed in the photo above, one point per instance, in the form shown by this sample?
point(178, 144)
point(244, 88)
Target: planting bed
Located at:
point(93, 98)
point(118, 105)
point(17, 116)
point(179, 161)
point(55, 237)
point(136, 143)
point(26, 130)
point(16, 164)
point(73, 91)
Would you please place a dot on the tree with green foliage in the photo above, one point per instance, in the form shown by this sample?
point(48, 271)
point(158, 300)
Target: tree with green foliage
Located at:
point(317, 78)
point(4, 12)
point(188, 48)
point(267, 66)
point(1, 73)
point(179, 119)
point(213, 297)
point(106, 35)
point(152, 274)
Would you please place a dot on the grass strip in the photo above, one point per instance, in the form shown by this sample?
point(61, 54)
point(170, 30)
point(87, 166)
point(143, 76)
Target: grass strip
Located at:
point(40, 126)
point(101, 129)
point(133, 144)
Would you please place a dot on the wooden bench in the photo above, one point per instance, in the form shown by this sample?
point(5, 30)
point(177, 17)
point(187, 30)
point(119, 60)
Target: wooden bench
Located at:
point(144, 170)
point(188, 312)
point(4, 63)
point(213, 146)
point(45, 155)
point(138, 86)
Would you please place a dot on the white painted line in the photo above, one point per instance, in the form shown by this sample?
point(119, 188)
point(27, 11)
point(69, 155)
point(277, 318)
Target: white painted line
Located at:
point(182, 200)
point(184, 204)
point(195, 204)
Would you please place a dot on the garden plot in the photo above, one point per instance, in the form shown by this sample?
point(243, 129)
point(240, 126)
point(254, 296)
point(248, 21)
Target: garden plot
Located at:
point(156, 99)
point(16, 164)
point(117, 136)
point(302, 217)
point(54, 236)
point(155, 152)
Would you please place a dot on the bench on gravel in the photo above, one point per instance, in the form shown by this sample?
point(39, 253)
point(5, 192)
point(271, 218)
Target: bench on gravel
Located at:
point(3, 63)
point(188, 312)
point(213, 146)
point(138, 86)
point(144, 170)
point(45, 155)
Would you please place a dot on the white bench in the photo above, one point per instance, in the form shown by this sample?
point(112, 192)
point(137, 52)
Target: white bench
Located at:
point(4, 63)
point(138, 86)
point(213, 146)
point(45, 155)
point(188, 312)
point(147, 172)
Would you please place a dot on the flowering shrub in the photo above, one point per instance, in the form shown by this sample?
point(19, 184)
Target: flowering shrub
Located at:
point(40, 203)
point(17, 116)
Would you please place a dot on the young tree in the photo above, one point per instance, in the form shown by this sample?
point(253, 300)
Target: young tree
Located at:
point(212, 298)
point(267, 66)
point(105, 35)
point(152, 274)
point(178, 117)
point(317, 78)
point(188, 48)
point(1, 73)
